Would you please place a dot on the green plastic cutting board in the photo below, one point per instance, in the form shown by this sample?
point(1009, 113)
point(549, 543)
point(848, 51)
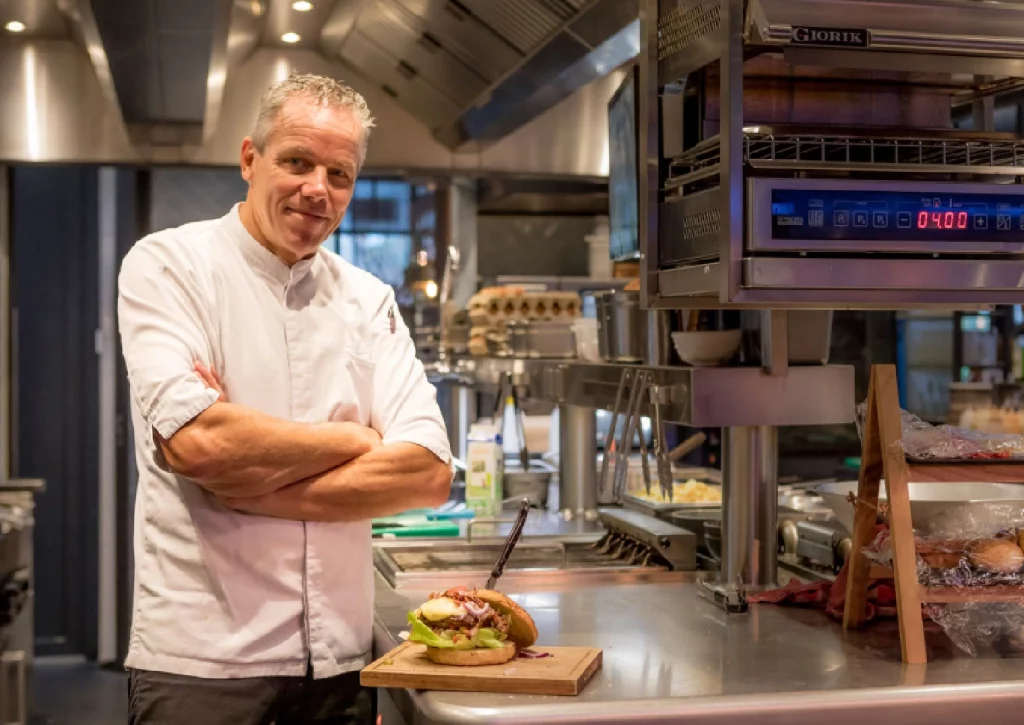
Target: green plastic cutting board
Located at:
point(408, 526)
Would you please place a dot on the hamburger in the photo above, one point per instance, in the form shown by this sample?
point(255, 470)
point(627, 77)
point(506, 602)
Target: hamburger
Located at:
point(471, 627)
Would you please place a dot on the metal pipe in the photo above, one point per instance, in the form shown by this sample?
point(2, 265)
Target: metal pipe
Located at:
point(107, 423)
point(450, 269)
point(737, 503)
point(749, 506)
point(577, 462)
point(460, 413)
point(658, 338)
point(766, 525)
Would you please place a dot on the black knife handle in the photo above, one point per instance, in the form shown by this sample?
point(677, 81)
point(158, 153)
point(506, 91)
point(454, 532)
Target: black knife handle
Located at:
point(510, 544)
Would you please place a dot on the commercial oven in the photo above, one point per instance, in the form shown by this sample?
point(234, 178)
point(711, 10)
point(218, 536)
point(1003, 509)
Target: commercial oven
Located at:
point(801, 153)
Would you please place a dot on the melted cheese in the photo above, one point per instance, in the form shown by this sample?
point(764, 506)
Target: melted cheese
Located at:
point(434, 610)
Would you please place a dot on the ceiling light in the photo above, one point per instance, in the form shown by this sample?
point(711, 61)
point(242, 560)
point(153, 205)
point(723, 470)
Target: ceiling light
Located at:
point(302, 6)
point(291, 37)
point(14, 26)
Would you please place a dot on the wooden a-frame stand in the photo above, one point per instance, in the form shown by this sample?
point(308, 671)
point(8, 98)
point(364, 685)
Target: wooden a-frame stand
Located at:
point(882, 456)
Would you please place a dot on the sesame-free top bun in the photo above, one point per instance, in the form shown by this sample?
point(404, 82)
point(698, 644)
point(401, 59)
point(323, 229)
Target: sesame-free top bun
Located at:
point(472, 657)
point(521, 629)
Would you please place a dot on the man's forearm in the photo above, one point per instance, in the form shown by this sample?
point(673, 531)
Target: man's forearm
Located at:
point(235, 451)
point(394, 478)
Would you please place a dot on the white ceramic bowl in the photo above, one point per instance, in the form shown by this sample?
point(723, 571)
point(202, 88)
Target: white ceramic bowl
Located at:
point(707, 349)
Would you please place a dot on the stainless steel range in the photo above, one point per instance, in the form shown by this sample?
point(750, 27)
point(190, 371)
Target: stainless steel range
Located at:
point(635, 548)
point(814, 549)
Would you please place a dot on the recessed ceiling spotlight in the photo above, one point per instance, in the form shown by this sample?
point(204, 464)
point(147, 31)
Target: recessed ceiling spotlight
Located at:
point(15, 26)
point(291, 37)
point(302, 6)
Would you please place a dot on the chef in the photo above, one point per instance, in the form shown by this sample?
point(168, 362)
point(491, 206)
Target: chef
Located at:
point(278, 406)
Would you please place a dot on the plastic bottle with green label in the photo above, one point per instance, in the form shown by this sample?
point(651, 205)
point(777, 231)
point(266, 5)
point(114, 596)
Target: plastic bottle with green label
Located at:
point(485, 463)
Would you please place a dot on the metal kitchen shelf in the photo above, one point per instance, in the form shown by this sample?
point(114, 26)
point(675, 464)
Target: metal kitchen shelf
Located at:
point(700, 397)
point(563, 284)
point(876, 154)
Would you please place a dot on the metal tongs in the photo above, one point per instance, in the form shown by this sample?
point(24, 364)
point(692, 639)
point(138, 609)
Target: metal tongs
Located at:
point(510, 544)
point(618, 452)
point(500, 404)
point(611, 449)
point(632, 422)
point(661, 454)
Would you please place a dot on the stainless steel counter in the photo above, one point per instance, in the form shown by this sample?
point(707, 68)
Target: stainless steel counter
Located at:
point(539, 525)
point(671, 657)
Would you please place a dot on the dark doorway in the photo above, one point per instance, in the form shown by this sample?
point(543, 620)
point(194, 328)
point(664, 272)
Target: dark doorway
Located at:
point(54, 274)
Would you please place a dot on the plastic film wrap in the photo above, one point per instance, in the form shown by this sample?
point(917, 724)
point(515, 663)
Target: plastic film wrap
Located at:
point(926, 442)
point(972, 560)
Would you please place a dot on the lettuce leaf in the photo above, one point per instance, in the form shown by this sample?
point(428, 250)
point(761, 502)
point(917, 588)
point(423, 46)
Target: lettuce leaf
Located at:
point(487, 637)
point(425, 635)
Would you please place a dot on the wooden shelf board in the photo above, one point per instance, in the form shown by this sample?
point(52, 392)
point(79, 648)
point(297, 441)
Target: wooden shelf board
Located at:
point(961, 595)
point(982, 472)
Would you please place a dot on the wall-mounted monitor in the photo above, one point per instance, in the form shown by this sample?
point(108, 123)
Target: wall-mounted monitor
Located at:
point(623, 169)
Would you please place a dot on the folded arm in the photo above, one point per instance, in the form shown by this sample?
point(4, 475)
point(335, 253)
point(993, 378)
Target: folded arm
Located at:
point(164, 318)
point(413, 467)
point(231, 450)
point(383, 482)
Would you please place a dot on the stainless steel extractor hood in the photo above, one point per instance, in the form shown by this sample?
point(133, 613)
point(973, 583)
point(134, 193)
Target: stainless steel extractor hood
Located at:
point(476, 70)
point(159, 53)
point(451, 82)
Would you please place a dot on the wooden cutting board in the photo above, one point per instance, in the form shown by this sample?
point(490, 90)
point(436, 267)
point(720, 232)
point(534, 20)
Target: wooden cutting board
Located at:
point(566, 672)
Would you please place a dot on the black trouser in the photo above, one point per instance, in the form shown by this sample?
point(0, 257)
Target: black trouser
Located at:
point(158, 698)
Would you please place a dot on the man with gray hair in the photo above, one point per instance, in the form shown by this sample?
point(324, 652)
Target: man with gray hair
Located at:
point(278, 406)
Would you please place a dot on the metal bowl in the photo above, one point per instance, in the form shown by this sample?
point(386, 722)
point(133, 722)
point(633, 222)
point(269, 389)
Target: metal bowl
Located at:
point(803, 501)
point(695, 521)
point(533, 484)
point(943, 509)
point(713, 538)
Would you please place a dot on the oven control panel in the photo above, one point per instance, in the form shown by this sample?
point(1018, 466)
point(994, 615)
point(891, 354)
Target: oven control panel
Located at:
point(878, 216)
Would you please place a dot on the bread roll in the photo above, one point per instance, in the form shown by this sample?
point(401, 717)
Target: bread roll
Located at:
point(946, 554)
point(472, 657)
point(996, 556)
point(942, 559)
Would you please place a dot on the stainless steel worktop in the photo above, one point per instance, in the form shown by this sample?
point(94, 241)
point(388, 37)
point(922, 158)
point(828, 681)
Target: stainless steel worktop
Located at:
point(671, 657)
point(539, 525)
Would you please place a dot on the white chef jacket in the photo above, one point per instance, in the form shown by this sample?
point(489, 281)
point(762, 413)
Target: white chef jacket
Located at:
point(223, 594)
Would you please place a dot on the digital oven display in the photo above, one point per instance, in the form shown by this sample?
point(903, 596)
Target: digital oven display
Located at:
point(854, 215)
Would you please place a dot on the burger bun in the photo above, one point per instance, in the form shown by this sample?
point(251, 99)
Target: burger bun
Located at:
point(997, 556)
point(521, 629)
point(472, 657)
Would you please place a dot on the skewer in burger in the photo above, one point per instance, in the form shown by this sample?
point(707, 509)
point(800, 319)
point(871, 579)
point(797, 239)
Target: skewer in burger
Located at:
point(471, 627)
